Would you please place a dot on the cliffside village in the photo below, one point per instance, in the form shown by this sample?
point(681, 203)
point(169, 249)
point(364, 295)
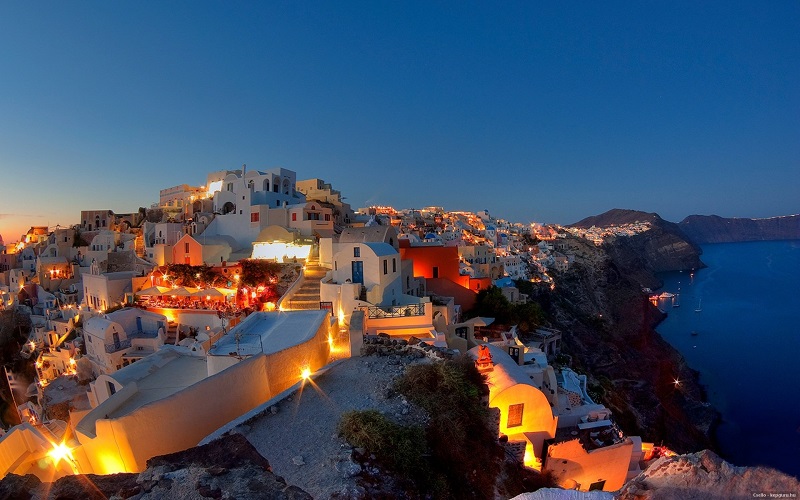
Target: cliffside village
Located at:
point(170, 360)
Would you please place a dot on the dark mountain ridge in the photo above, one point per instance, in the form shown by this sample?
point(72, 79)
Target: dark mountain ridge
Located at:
point(714, 229)
point(664, 248)
point(702, 229)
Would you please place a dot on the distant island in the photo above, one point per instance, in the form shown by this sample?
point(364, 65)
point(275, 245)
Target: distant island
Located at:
point(703, 229)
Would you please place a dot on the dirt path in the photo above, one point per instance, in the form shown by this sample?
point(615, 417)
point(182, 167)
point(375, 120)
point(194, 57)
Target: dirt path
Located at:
point(299, 436)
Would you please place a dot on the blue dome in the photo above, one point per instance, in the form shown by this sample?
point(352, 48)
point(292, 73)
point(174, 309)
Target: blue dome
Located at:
point(431, 236)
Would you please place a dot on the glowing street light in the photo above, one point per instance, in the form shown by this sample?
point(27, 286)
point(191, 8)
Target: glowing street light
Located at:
point(59, 452)
point(305, 373)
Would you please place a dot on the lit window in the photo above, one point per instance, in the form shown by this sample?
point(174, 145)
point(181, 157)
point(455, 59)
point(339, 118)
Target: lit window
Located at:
point(515, 415)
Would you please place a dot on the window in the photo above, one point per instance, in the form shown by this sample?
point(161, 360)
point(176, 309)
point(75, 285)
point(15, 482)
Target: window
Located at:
point(186, 247)
point(327, 217)
point(254, 216)
point(385, 266)
point(515, 415)
point(356, 252)
point(294, 217)
point(597, 485)
point(394, 265)
point(461, 332)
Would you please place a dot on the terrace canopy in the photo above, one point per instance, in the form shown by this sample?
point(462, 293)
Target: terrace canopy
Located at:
point(214, 293)
point(154, 290)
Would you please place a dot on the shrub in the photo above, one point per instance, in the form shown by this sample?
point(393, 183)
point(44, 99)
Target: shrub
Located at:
point(463, 447)
point(399, 448)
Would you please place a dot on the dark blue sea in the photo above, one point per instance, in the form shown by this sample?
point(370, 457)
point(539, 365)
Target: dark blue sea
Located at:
point(746, 346)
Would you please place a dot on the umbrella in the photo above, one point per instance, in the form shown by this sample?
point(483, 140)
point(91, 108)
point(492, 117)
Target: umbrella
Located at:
point(154, 290)
point(208, 292)
point(181, 291)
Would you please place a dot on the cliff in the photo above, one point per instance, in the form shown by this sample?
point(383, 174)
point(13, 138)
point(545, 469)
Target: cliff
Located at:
point(665, 247)
point(714, 229)
point(612, 339)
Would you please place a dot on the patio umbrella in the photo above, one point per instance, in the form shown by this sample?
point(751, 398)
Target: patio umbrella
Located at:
point(208, 292)
point(181, 291)
point(154, 290)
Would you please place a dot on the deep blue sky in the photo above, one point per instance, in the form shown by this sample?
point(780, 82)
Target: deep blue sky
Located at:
point(545, 113)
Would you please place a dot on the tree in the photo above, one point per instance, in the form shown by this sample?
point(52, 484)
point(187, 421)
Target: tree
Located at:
point(259, 272)
point(195, 276)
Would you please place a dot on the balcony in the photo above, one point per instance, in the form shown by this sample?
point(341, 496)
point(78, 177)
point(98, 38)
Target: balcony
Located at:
point(374, 312)
point(117, 346)
point(126, 343)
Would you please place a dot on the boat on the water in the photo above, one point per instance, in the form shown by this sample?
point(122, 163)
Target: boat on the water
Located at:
point(699, 306)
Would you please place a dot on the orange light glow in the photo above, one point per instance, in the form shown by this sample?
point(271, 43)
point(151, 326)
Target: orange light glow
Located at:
point(305, 374)
point(60, 452)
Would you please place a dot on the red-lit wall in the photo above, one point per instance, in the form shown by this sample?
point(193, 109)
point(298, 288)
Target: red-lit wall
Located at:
point(443, 258)
point(477, 284)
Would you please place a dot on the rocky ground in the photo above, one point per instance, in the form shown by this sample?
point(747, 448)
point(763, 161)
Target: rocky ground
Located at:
point(224, 469)
point(705, 476)
point(299, 435)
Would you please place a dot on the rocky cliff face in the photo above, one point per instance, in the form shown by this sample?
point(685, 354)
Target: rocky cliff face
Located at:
point(610, 321)
point(713, 229)
point(705, 476)
point(226, 468)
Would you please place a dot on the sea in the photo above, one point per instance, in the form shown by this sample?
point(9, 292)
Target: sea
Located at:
point(737, 324)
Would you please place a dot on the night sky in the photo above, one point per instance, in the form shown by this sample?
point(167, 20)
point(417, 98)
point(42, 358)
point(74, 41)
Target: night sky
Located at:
point(536, 113)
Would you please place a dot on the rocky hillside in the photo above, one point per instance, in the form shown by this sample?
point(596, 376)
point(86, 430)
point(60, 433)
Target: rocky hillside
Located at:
point(704, 476)
point(611, 338)
point(663, 248)
point(714, 229)
point(226, 468)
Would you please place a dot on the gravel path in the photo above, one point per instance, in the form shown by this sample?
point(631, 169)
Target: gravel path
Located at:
point(298, 436)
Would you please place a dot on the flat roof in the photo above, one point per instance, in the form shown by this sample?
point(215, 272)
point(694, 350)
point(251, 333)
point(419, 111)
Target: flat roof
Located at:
point(269, 332)
point(179, 373)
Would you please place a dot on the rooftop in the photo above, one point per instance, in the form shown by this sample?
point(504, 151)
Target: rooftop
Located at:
point(269, 332)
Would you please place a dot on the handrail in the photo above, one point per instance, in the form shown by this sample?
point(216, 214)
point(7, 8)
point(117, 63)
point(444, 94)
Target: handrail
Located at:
point(291, 290)
point(375, 312)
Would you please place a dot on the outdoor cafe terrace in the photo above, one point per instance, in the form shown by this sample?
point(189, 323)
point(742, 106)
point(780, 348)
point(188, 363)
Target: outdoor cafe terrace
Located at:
point(211, 299)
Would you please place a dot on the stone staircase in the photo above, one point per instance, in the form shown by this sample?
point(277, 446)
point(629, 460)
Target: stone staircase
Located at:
point(307, 296)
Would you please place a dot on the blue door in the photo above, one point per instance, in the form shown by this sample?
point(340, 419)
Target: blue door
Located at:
point(358, 272)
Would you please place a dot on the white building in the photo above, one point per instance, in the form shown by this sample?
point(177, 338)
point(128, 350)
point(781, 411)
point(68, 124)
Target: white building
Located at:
point(102, 291)
point(243, 199)
point(122, 337)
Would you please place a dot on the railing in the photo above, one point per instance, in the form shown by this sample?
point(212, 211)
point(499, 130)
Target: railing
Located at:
point(374, 312)
point(117, 346)
point(144, 335)
point(126, 343)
